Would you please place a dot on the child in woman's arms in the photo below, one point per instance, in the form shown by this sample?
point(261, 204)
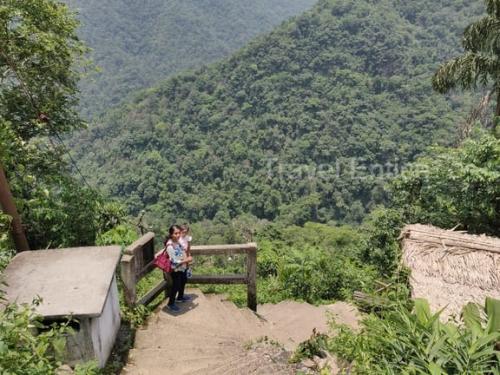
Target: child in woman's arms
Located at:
point(185, 242)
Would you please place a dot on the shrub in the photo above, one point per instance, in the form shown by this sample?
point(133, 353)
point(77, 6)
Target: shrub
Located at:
point(315, 274)
point(417, 342)
point(22, 348)
point(454, 186)
point(381, 248)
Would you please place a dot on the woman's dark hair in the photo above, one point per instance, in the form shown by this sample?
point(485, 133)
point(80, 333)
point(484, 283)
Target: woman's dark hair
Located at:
point(171, 231)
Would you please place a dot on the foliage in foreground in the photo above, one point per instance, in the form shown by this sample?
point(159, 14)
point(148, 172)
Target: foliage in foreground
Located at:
point(29, 347)
point(20, 349)
point(403, 341)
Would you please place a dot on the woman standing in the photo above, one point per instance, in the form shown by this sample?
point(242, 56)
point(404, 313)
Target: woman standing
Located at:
point(179, 263)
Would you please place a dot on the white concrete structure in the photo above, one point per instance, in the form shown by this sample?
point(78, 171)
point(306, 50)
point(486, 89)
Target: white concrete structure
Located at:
point(79, 283)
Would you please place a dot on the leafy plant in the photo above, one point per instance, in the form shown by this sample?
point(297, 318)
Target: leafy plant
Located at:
point(88, 368)
point(122, 234)
point(39, 62)
point(21, 347)
point(39, 50)
point(479, 63)
point(380, 245)
point(314, 346)
point(314, 274)
point(418, 342)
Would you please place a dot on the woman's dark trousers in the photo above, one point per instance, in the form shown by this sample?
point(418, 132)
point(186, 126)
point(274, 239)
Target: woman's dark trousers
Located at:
point(183, 284)
point(177, 286)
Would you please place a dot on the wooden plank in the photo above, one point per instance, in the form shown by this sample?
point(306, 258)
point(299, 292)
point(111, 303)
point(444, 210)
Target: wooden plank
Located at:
point(143, 251)
point(147, 269)
point(153, 293)
point(252, 279)
point(218, 279)
point(150, 236)
point(452, 239)
point(127, 268)
point(223, 249)
point(369, 300)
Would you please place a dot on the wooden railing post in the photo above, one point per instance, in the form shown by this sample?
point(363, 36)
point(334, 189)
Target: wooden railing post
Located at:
point(252, 278)
point(143, 252)
point(128, 275)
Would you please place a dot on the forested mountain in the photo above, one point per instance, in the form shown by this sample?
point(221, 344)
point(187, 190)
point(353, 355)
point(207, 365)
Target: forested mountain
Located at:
point(306, 123)
point(136, 43)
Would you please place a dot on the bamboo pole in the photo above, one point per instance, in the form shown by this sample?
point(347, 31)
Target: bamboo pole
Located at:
point(9, 207)
point(454, 239)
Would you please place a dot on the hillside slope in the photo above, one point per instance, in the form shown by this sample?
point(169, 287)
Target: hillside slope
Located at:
point(137, 43)
point(306, 123)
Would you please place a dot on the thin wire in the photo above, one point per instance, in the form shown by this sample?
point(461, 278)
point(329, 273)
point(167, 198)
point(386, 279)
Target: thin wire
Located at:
point(73, 162)
point(139, 223)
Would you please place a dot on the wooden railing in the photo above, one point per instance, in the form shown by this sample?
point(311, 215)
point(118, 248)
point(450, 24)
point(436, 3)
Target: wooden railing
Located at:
point(137, 262)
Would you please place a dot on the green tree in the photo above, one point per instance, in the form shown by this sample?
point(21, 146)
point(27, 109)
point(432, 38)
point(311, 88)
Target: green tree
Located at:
point(40, 57)
point(480, 63)
point(454, 186)
point(38, 48)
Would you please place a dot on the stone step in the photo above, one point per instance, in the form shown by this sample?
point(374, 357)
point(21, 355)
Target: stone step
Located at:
point(228, 317)
point(286, 317)
point(178, 361)
point(196, 329)
point(179, 350)
point(203, 311)
point(187, 366)
point(182, 334)
point(247, 315)
point(240, 323)
point(264, 360)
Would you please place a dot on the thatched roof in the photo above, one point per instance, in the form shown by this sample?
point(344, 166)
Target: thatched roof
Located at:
point(451, 268)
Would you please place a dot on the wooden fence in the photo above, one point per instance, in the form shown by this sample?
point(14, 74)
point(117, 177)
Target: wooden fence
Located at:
point(137, 262)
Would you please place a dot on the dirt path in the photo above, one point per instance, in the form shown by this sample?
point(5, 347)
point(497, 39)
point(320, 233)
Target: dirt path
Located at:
point(212, 336)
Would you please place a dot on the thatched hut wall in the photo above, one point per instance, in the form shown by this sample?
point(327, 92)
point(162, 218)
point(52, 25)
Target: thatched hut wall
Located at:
point(451, 268)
